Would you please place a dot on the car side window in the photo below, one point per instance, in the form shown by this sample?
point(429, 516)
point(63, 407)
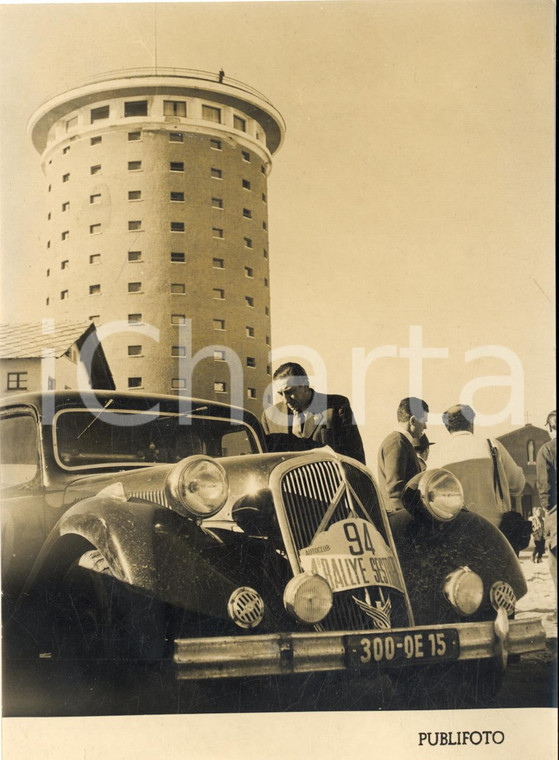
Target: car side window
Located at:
point(19, 459)
point(236, 443)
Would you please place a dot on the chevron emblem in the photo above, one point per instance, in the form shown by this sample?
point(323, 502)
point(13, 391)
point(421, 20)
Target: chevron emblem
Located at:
point(380, 612)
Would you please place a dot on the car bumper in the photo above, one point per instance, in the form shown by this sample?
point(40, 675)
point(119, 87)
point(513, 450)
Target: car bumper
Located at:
point(277, 654)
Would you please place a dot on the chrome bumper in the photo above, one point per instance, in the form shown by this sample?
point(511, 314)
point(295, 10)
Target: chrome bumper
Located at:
point(286, 653)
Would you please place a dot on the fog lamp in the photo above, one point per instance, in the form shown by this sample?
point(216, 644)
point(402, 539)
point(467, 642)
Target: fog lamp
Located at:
point(198, 485)
point(308, 598)
point(464, 590)
point(441, 494)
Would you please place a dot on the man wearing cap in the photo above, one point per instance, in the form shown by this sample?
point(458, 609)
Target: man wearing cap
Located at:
point(546, 480)
point(306, 419)
point(397, 458)
point(487, 472)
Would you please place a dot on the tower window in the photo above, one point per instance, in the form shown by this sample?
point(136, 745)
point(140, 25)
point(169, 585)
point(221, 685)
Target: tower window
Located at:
point(94, 290)
point(246, 184)
point(72, 123)
point(65, 264)
point(219, 324)
point(251, 392)
point(265, 253)
point(239, 123)
point(176, 166)
point(218, 263)
point(178, 257)
point(175, 195)
point(134, 287)
point(178, 350)
point(135, 350)
point(136, 108)
point(66, 177)
point(219, 294)
point(134, 382)
point(134, 195)
point(246, 155)
point(136, 224)
point(95, 258)
point(251, 361)
point(178, 383)
point(95, 169)
point(247, 213)
point(263, 197)
point(216, 173)
point(134, 319)
point(217, 202)
point(134, 136)
point(65, 150)
point(134, 166)
point(48, 272)
point(264, 226)
point(215, 144)
point(219, 355)
point(63, 295)
point(176, 137)
point(217, 232)
point(134, 255)
point(99, 113)
point(249, 272)
point(249, 331)
point(96, 140)
point(178, 287)
point(220, 386)
point(209, 113)
point(174, 108)
point(95, 198)
point(178, 319)
point(65, 235)
point(177, 226)
point(248, 242)
point(249, 300)
point(65, 206)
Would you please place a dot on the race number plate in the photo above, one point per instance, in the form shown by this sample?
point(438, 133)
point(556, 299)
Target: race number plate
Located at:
point(413, 647)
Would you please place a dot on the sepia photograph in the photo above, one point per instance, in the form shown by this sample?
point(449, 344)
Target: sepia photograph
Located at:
point(277, 349)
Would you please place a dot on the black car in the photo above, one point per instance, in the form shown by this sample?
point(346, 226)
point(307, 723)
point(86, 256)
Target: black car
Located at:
point(152, 540)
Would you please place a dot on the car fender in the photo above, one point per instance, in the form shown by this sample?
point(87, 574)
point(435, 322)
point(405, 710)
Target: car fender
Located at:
point(429, 551)
point(149, 548)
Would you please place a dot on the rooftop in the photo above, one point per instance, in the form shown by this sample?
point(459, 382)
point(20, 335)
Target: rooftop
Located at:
point(27, 341)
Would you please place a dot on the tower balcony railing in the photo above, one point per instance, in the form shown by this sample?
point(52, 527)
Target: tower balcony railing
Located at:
point(160, 71)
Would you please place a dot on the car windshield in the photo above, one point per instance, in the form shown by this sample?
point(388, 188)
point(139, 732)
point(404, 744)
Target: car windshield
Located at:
point(86, 439)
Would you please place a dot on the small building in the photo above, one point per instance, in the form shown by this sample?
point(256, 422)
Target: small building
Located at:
point(48, 355)
point(523, 445)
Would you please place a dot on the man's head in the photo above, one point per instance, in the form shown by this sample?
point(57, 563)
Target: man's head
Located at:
point(292, 383)
point(413, 413)
point(551, 421)
point(459, 417)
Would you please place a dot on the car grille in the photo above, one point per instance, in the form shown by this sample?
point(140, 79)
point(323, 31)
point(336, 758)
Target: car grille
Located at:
point(307, 491)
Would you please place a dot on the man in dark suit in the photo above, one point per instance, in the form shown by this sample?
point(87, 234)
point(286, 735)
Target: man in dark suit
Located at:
point(397, 457)
point(305, 419)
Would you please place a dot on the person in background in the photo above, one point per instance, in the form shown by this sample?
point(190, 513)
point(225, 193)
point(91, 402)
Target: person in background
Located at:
point(546, 480)
point(306, 419)
point(538, 534)
point(397, 458)
point(422, 450)
point(487, 472)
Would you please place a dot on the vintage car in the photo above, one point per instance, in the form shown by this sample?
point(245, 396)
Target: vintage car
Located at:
point(146, 534)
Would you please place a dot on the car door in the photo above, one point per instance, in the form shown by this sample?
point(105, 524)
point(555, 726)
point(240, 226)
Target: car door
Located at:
point(21, 496)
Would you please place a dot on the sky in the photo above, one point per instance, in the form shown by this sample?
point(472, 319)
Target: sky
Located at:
point(411, 203)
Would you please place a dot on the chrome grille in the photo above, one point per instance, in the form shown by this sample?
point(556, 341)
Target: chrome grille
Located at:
point(307, 492)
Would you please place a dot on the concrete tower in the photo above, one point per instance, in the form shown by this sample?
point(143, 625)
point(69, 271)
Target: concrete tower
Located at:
point(157, 226)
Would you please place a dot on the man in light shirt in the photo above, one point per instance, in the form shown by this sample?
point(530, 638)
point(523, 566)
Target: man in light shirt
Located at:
point(487, 472)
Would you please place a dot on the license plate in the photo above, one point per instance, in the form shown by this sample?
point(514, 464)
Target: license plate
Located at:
point(402, 647)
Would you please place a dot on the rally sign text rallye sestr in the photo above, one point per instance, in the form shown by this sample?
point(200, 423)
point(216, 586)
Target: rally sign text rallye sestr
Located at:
point(158, 530)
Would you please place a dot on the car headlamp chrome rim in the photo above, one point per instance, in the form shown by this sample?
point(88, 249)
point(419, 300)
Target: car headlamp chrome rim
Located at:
point(441, 494)
point(308, 598)
point(464, 590)
point(198, 486)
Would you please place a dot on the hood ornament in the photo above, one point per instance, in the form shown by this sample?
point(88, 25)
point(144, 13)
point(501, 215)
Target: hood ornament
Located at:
point(380, 612)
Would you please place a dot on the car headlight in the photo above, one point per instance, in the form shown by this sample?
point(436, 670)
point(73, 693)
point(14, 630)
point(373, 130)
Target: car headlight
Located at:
point(441, 494)
point(198, 486)
point(308, 598)
point(464, 590)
